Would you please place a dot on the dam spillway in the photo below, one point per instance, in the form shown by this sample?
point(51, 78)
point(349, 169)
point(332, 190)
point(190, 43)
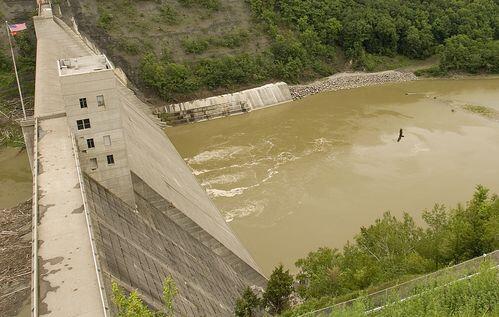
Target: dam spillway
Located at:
point(225, 105)
point(114, 201)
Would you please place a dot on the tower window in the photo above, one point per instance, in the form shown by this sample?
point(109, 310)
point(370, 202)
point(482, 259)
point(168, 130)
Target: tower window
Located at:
point(100, 101)
point(83, 124)
point(93, 163)
point(110, 159)
point(83, 103)
point(90, 143)
point(107, 140)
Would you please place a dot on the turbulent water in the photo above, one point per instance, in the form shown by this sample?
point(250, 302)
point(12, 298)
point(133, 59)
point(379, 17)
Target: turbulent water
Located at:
point(311, 172)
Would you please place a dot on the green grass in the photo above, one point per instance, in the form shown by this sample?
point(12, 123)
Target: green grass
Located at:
point(476, 296)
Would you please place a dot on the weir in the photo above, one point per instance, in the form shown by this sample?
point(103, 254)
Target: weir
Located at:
point(225, 105)
point(114, 201)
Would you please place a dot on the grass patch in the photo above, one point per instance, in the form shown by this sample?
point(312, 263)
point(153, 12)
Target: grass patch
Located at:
point(168, 14)
point(212, 5)
point(200, 45)
point(434, 71)
point(195, 46)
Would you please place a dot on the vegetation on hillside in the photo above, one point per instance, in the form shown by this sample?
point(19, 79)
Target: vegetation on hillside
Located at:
point(306, 35)
point(475, 296)
point(393, 250)
point(10, 105)
point(184, 48)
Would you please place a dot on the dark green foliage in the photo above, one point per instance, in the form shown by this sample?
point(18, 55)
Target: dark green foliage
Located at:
point(319, 273)
point(171, 79)
point(462, 53)
point(279, 288)
point(167, 78)
point(248, 304)
point(392, 249)
point(360, 27)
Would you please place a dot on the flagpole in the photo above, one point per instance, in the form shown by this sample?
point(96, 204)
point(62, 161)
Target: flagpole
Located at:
point(15, 70)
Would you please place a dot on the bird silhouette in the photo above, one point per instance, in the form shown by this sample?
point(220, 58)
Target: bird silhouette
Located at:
point(401, 135)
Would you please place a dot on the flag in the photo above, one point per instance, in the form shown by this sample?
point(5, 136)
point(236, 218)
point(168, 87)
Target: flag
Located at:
point(14, 28)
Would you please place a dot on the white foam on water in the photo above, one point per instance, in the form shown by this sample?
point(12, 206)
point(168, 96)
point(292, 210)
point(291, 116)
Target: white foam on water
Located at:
point(218, 154)
point(213, 192)
point(223, 179)
point(253, 208)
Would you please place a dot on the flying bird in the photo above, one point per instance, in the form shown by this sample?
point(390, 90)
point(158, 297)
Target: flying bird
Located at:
point(401, 135)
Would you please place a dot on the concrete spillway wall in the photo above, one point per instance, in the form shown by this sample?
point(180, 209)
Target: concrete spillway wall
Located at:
point(228, 104)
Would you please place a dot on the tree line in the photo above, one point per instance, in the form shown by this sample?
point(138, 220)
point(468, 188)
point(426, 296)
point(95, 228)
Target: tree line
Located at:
point(381, 254)
point(308, 36)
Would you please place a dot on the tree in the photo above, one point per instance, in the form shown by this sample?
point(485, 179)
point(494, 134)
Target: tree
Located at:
point(320, 273)
point(391, 243)
point(133, 306)
point(247, 304)
point(432, 244)
point(279, 288)
point(462, 53)
point(169, 292)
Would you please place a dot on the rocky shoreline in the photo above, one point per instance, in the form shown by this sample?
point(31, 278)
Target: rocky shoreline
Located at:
point(350, 80)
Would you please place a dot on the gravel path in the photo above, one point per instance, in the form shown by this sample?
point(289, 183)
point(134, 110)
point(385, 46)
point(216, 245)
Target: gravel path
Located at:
point(350, 80)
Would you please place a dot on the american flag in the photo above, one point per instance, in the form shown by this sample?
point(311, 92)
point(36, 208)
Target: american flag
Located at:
point(14, 28)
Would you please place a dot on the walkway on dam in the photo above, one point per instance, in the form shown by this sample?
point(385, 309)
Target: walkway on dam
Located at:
point(68, 283)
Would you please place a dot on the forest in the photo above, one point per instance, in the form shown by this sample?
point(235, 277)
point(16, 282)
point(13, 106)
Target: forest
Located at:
point(308, 37)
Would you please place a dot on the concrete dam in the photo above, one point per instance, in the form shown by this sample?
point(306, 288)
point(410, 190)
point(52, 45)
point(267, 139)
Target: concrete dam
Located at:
point(113, 200)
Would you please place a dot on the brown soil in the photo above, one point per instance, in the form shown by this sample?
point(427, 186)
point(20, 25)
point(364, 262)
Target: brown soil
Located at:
point(15, 258)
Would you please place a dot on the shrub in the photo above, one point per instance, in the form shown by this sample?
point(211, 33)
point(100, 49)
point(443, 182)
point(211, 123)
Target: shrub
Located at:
point(247, 305)
point(279, 288)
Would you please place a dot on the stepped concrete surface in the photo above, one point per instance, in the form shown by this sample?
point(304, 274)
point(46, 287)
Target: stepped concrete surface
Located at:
point(255, 98)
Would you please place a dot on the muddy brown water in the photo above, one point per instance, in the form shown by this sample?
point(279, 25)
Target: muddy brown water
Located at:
point(15, 177)
point(310, 173)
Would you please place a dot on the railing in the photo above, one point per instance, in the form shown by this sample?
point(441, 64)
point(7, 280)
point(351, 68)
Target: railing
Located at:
point(95, 256)
point(34, 225)
point(403, 290)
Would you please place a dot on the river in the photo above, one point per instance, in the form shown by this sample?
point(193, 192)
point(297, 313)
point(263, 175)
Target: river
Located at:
point(311, 172)
point(15, 177)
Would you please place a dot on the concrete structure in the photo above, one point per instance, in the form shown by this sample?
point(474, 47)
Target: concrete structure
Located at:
point(64, 270)
point(133, 219)
point(228, 104)
point(93, 111)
